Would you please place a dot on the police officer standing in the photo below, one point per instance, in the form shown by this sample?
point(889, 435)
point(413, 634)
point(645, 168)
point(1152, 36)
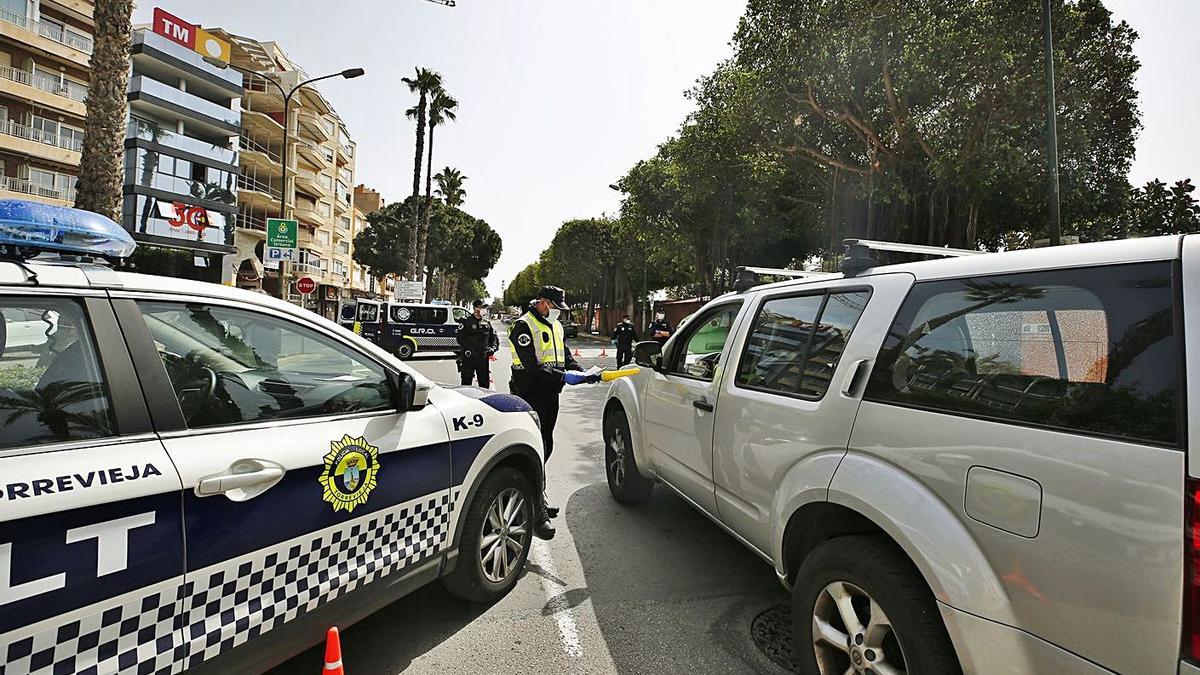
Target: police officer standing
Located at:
point(476, 342)
point(624, 335)
point(540, 361)
point(659, 329)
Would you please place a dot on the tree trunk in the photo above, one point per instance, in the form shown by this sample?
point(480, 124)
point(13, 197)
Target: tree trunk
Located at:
point(101, 172)
point(416, 191)
point(423, 234)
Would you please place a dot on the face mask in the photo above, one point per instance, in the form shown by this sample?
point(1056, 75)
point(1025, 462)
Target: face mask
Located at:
point(554, 314)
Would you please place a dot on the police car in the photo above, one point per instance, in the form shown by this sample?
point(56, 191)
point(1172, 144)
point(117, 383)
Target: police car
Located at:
point(196, 476)
point(404, 328)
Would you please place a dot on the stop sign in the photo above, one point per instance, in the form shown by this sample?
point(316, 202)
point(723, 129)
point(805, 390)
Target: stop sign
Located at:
point(306, 285)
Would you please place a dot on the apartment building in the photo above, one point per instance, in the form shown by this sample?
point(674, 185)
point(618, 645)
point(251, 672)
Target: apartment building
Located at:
point(181, 160)
point(316, 189)
point(45, 49)
point(366, 202)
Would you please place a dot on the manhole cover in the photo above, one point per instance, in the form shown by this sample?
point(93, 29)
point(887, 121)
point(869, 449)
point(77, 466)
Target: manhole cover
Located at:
point(772, 632)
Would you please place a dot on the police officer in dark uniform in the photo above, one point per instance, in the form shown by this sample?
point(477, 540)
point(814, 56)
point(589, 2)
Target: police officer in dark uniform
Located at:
point(477, 341)
point(540, 359)
point(624, 335)
point(659, 329)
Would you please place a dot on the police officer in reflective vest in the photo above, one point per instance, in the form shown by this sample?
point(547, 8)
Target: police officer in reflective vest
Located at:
point(539, 359)
point(476, 342)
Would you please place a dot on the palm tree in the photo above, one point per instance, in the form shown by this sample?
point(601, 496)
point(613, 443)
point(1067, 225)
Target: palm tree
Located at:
point(100, 167)
point(424, 84)
point(450, 187)
point(442, 108)
point(49, 405)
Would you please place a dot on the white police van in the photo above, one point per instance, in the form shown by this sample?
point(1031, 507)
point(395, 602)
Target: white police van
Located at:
point(196, 476)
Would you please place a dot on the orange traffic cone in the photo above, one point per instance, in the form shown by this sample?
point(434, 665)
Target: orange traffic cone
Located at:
point(333, 653)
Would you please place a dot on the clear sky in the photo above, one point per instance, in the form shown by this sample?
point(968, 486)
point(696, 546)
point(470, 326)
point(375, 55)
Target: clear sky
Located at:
point(558, 99)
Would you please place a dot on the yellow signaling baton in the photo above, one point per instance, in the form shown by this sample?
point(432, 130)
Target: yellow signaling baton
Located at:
point(610, 375)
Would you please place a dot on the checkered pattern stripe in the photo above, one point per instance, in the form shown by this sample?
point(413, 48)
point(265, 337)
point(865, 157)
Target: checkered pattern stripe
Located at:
point(130, 636)
point(426, 342)
point(228, 604)
point(241, 599)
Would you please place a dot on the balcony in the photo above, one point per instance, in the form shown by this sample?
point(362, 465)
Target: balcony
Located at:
point(308, 213)
point(170, 139)
point(260, 157)
point(215, 117)
point(258, 118)
point(258, 194)
point(309, 182)
point(25, 189)
point(248, 221)
point(37, 143)
point(312, 153)
point(40, 89)
point(68, 45)
point(311, 123)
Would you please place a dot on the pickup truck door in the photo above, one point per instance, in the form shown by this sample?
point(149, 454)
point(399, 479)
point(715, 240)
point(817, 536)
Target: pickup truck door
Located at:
point(680, 402)
point(792, 393)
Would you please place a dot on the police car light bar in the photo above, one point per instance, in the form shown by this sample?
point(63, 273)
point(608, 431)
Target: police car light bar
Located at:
point(858, 253)
point(29, 228)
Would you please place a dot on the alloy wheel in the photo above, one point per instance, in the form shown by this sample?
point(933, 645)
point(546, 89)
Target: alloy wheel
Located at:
point(852, 635)
point(617, 466)
point(502, 540)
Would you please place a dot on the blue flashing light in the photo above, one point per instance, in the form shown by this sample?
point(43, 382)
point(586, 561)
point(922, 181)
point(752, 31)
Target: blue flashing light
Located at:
point(34, 227)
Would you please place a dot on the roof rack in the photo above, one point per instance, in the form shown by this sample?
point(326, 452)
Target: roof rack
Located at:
point(749, 277)
point(858, 253)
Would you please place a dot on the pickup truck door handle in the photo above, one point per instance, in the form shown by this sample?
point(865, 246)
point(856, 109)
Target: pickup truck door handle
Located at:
point(245, 479)
point(702, 404)
point(852, 387)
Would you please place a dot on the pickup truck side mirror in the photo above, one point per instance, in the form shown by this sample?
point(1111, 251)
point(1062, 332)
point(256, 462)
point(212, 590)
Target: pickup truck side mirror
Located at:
point(407, 394)
point(648, 354)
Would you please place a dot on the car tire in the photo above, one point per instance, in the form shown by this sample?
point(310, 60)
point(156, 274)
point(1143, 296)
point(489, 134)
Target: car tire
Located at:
point(482, 577)
point(899, 621)
point(625, 482)
point(405, 350)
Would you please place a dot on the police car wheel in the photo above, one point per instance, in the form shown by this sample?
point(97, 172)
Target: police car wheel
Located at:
point(497, 533)
point(405, 350)
point(625, 482)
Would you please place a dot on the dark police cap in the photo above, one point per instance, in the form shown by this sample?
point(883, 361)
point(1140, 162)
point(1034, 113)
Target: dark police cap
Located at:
point(477, 303)
point(555, 295)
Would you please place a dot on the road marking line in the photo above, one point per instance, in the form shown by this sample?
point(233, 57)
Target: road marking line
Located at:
point(568, 632)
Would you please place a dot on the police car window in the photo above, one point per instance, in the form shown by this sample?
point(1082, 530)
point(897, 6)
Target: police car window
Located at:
point(796, 342)
point(229, 366)
point(417, 314)
point(51, 389)
point(460, 313)
point(704, 342)
point(1086, 350)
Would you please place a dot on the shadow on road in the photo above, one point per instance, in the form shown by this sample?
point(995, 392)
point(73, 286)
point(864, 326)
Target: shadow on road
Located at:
point(423, 620)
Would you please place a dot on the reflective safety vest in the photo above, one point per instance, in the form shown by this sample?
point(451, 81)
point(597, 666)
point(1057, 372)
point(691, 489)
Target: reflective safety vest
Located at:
point(548, 342)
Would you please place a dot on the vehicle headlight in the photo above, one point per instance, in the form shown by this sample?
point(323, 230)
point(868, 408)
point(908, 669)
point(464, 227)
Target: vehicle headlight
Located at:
point(536, 420)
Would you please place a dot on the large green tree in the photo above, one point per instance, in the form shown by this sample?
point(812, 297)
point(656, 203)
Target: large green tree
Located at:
point(383, 246)
point(450, 186)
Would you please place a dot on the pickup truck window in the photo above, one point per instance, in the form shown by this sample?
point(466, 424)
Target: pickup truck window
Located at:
point(1090, 351)
point(796, 342)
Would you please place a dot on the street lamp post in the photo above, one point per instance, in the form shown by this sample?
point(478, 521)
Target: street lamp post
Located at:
point(1051, 129)
point(349, 73)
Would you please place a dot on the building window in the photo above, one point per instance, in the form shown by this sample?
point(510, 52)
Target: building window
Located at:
point(153, 169)
point(343, 247)
point(325, 209)
point(163, 218)
point(322, 237)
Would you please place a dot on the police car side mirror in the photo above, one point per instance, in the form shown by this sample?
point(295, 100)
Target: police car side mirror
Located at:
point(648, 354)
point(405, 392)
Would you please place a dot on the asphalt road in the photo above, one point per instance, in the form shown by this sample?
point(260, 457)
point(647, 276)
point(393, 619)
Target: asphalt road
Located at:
point(656, 588)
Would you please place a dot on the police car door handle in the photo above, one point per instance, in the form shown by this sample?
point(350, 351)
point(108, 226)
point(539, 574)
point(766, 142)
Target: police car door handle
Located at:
point(702, 404)
point(247, 478)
